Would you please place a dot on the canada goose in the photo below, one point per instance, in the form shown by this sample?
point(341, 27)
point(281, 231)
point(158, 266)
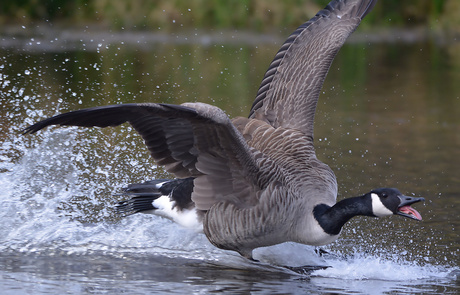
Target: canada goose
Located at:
point(256, 181)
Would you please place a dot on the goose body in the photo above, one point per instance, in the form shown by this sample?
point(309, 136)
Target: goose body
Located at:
point(256, 181)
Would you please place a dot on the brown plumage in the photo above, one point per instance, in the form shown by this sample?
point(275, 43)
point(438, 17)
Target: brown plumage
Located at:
point(257, 179)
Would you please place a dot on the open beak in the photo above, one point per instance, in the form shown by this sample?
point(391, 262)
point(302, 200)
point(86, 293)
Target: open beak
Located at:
point(406, 210)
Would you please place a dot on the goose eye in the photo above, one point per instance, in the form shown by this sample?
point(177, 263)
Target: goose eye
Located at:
point(384, 195)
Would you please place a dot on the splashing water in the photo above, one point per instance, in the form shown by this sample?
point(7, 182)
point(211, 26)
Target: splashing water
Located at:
point(51, 201)
point(51, 204)
point(56, 202)
point(369, 267)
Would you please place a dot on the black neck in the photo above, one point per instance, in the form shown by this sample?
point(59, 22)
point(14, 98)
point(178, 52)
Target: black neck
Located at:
point(333, 218)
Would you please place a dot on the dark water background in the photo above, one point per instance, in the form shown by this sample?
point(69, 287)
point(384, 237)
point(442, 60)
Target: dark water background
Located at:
point(389, 115)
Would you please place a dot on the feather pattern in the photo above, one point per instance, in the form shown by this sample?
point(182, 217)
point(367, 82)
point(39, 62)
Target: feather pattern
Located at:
point(256, 180)
point(290, 88)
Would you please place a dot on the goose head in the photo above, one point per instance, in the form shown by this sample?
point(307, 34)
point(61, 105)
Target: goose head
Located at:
point(377, 203)
point(390, 201)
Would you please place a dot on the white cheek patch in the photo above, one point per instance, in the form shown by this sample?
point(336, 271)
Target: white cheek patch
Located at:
point(378, 208)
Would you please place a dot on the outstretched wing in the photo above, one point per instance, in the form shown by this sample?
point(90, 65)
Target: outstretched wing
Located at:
point(191, 140)
point(289, 91)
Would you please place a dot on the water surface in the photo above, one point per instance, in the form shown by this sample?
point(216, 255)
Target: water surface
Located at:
point(389, 115)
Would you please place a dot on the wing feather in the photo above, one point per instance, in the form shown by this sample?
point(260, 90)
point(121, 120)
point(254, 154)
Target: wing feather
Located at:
point(190, 140)
point(289, 91)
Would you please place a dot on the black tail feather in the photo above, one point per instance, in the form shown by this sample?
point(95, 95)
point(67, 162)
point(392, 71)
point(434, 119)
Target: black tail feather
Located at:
point(143, 194)
point(136, 204)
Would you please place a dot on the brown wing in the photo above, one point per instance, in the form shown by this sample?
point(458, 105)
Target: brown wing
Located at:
point(193, 139)
point(290, 88)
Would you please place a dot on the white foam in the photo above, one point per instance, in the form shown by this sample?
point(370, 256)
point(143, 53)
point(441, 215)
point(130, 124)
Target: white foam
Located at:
point(58, 197)
point(369, 267)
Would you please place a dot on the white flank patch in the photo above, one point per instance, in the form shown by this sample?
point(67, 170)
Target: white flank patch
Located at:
point(378, 208)
point(186, 218)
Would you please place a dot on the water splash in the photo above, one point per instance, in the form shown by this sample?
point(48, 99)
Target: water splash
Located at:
point(363, 266)
point(56, 200)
